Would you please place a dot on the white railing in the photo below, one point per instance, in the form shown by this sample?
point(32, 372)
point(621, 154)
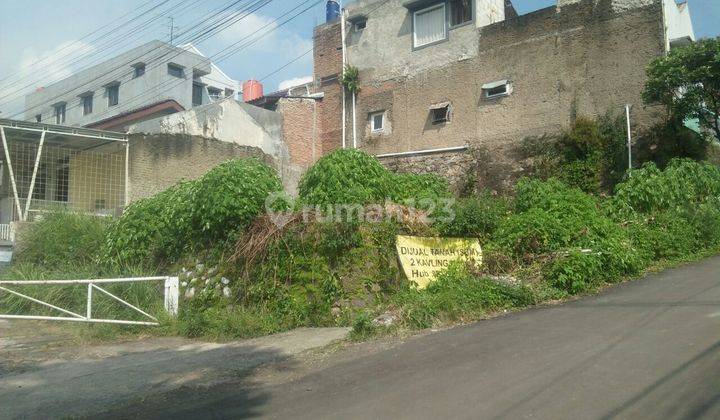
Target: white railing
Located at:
point(171, 298)
point(7, 233)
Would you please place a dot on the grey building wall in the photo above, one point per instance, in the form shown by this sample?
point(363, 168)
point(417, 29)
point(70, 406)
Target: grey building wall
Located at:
point(586, 58)
point(154, 86)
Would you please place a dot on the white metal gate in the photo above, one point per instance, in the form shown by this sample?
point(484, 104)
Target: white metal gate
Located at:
point(171, 297)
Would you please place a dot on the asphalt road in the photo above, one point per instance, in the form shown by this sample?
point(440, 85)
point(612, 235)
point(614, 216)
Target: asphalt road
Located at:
point(646, 349)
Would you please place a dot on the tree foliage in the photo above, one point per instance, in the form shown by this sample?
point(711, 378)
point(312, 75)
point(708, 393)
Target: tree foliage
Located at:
point(687, 82)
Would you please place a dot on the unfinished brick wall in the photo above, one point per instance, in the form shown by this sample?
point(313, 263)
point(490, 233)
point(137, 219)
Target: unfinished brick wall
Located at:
point(585, 60)
point(160, 161)
point(300, 131)
point(327, 69)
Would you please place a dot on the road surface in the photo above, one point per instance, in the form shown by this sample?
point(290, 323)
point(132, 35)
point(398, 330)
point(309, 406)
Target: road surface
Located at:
point(645, 349)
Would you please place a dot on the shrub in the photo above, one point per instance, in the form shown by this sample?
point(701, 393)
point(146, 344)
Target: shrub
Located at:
point(477, 217)
point(152, 229)
point(458, 295)
point(576, 272)
point(684, 183)
point(349, 176)
point(62, 239)
point(414, 189)
point(346, 176)
point(229, 197)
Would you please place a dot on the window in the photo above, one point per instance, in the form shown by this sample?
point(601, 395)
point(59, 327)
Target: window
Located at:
point(229, 93)
point(60, 113)
point(38, 118)
point(87, 103)
point(197, 94)
point(377, 122)
point(40, 190)
point(429, 25)
point(440, 113)
point(113, 94)
point(176, 71)
point(497, 89)
point(460, 12)
point(139, 70)
point(215, 93)
point(360, 25)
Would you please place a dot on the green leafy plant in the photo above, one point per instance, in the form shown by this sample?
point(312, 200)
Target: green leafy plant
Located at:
point(686, 81)
point(350, 79)
point(62, 239)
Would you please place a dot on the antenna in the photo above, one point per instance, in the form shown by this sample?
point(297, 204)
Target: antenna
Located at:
point(172, 28)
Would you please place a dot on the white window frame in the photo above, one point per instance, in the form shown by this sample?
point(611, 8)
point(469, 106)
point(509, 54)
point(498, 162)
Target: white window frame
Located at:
point(60, 117)
point(83, 99)
point(108, 88)
point(374, 129)
point(442, 6)
point(507, 92)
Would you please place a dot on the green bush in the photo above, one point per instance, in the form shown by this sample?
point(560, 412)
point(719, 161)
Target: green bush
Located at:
point(229, 197)
point(62, 239)
point(458, 295)
point(152, 229)
point(192, 215)
point(475, 217)
point(349, 176)
point(684, 183)
point(346, 176)
point(576, 272)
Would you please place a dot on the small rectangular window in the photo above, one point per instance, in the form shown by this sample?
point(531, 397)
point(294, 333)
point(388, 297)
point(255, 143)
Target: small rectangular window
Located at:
point(113, 94)
point(197, 94)
point(139, 70)
point(176, 71)
point(60, 113)
point(460, 12)
point(38, 118)
point(497, 89)
point(377, 122)
point(360, 25)
point(429, 25)
point(440, 113)
point(215, 93)
point(87, 104)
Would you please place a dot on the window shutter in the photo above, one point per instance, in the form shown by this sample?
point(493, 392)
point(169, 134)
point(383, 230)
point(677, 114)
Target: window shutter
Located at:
point(430, 25)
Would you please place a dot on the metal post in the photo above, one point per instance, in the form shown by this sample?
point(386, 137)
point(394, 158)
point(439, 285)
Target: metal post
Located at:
point(172, 295)
point(89, 301)
point(344, 58)
point(629, 136)
point(32, 180)
point(127, 172)
point(354, 122)
point(12, 174)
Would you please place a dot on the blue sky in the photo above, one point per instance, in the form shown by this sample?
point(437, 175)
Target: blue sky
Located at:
point(48, 29)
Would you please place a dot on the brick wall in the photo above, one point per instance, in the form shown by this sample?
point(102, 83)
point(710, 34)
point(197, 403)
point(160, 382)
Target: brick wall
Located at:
point(585, 60)
point(327, 69)
point(300, 129)
point(160, 161)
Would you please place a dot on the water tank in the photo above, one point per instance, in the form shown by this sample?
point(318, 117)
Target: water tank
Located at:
point(332, 11)
point(252, 89)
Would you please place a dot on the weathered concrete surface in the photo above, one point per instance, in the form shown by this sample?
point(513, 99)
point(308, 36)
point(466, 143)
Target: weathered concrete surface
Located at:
point(646, 349)
point(103, 376)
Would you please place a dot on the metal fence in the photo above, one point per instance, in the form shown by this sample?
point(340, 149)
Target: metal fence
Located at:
point(170, 298)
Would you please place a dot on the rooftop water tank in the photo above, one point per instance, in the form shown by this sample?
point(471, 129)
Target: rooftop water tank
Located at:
point(332, 11)
point(252, 89)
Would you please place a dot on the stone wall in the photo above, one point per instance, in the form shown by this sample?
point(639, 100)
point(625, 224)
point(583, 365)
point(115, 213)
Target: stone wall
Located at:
point(586, 59)
point(456, 167)
point(160, 161)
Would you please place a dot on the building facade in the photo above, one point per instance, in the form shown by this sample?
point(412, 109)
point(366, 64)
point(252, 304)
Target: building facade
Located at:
point(147, 82)
point(453, 87)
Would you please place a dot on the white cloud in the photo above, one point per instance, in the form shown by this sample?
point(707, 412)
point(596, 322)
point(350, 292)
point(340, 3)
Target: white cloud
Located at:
point(35, 69)
point(264, 34)
point(287, 84)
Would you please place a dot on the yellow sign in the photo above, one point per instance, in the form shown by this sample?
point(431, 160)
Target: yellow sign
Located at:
point(422, 258)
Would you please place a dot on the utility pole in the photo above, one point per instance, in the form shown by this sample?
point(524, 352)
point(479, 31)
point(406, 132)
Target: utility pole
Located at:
point(629, 136)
